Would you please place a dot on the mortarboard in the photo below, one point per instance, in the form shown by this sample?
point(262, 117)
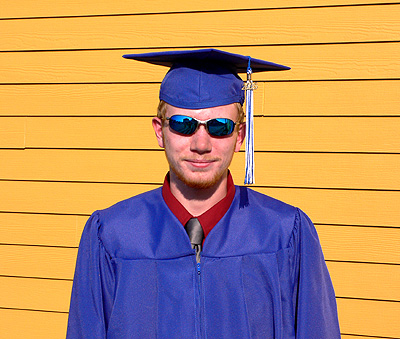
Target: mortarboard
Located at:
point(207, 78)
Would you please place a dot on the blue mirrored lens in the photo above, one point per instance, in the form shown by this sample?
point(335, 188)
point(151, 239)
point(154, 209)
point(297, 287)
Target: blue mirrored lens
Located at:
point(218, 127)
point(183, 124)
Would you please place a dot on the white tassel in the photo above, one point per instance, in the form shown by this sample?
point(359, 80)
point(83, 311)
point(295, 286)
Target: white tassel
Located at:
point(249, 86)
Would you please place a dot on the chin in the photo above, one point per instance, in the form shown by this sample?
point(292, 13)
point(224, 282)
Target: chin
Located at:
point(199, 183)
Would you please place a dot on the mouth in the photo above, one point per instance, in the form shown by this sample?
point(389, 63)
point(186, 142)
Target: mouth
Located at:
point(200, 163)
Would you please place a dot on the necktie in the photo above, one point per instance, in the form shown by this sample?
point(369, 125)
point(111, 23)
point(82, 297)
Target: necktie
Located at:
point(196, 235)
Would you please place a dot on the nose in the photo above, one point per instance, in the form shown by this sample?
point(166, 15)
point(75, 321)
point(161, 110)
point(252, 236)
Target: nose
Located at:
point(201, 141)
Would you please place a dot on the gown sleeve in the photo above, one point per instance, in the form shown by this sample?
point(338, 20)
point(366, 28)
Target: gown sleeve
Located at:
point(316, 311)
point(92, 288)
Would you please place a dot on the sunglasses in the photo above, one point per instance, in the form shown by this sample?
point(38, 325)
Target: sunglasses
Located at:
point(218, 127)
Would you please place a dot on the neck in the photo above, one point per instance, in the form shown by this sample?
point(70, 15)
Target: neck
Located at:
point(196, 200)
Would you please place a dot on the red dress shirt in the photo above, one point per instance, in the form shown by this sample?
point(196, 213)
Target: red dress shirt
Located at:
point(210, 217)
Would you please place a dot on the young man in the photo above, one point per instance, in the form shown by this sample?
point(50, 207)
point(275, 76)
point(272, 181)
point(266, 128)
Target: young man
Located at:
point(200, 257)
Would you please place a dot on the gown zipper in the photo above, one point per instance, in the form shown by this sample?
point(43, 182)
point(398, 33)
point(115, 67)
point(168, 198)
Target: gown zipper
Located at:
point(200, 315)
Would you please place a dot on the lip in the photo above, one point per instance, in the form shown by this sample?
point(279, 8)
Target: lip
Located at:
point(200, 163)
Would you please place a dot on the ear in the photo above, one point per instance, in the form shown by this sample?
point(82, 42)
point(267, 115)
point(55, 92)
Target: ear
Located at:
point(240, 137)
point(157, 125)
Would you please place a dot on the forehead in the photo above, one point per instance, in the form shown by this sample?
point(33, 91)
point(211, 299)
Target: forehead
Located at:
point(226, 111)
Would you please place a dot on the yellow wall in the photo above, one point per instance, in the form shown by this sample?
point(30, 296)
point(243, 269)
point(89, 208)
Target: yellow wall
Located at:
point(75, 135)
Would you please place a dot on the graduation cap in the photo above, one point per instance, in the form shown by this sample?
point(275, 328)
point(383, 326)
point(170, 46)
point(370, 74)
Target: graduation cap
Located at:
point(207, 78)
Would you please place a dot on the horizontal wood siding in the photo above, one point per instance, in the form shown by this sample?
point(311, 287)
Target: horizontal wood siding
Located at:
point(309, 170)
point(76, 136)
point(43, 8)
point(375, 98)
point(371, 61)
point(342, 207)
point(274, 134)
point(276, 26)
point(32, 324)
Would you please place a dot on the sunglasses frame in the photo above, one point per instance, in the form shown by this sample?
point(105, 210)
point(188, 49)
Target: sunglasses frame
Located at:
point(204, 123)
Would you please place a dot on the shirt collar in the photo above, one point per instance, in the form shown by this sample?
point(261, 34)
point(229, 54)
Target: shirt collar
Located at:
point(210, 217)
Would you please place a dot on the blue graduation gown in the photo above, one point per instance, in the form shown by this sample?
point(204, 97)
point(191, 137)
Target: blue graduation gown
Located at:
point(262, 274)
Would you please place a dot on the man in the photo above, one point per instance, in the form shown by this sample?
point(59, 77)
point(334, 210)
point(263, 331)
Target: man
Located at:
point(201, 257)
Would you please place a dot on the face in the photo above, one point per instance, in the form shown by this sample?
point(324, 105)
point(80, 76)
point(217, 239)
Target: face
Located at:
point(199, 160)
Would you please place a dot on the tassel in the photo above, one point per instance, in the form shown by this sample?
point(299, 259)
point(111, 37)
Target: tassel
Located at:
point(249, 86)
